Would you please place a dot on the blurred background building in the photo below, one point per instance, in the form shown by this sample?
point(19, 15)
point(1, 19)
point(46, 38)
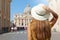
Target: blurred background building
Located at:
point(4, 15)
point(23, 19)
point(55, 6)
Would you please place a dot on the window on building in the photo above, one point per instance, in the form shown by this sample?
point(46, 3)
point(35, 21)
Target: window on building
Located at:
point(19, 23)
point(54, 29)
point(5, 23)
point(0, 21)
point(22, 23)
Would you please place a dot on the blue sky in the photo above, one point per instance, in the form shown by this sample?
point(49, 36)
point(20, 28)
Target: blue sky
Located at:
point(17, 6)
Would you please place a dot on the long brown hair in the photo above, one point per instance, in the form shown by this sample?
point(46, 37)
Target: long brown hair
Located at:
point(40, 30)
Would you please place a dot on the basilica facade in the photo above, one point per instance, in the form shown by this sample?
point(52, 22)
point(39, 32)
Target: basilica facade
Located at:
point(23, 19)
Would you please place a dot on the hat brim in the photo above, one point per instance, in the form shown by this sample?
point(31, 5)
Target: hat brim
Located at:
point(38, 17)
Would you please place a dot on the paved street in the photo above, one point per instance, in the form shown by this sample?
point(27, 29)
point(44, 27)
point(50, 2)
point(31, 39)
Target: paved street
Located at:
point(22, 35)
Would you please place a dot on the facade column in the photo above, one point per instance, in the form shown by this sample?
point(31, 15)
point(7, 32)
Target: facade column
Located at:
point(20, 22)
point(26, 22)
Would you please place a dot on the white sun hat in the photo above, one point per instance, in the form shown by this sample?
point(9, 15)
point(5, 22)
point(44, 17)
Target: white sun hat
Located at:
point(39, 13)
